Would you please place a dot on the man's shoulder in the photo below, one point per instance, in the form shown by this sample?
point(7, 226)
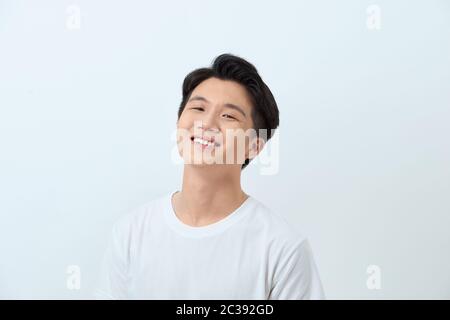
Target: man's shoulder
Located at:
point(138, 216)
point(276, 225)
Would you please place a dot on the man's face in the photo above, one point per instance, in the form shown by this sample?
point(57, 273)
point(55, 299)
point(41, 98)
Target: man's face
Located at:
point(215, 126)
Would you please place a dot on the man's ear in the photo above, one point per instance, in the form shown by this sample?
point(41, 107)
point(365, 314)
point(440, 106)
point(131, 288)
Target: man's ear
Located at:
point(256, 146)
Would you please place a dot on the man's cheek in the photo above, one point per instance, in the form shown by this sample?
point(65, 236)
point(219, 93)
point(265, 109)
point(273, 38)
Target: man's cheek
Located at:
point(234, 149)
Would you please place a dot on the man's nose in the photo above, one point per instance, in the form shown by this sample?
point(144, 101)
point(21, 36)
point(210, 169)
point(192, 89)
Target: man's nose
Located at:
point(208, 122)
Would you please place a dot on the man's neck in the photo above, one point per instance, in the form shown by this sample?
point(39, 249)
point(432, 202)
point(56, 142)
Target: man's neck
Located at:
point(208, 195)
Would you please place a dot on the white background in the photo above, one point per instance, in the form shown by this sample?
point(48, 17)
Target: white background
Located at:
point(86, 117)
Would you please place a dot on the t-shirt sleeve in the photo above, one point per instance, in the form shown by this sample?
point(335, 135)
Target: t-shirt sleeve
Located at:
point(113, 278)
point(296, 277)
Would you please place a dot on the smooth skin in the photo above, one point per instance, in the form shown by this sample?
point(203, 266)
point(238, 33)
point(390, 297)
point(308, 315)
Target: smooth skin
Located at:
point(210, 190)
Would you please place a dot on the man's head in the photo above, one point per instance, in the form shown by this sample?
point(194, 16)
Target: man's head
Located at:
point(226, 104)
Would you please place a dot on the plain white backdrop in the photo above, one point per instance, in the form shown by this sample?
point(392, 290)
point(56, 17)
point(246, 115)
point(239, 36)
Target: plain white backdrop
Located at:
point(89, 93)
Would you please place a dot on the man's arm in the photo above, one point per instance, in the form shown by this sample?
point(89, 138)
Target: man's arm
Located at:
point(113, 279)
point(296, 277)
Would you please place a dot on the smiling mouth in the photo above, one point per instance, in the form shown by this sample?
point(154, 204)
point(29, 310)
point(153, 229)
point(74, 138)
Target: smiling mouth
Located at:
point(205, 142)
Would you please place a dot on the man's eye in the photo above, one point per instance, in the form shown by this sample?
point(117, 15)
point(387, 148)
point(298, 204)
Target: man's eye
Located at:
point(197, 108)
point(229, 116)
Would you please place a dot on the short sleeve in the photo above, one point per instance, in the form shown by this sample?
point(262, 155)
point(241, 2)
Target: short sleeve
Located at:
point(297, 277)
point(113, 277)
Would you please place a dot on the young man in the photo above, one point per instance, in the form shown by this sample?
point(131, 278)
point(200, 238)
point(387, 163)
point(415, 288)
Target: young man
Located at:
point(211, 240)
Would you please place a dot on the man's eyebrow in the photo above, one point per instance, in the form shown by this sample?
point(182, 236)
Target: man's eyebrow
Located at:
point(198, 98)
point(228, 105)
point(235, 107)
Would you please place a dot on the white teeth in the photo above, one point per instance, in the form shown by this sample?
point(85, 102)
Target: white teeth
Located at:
point(204, 142)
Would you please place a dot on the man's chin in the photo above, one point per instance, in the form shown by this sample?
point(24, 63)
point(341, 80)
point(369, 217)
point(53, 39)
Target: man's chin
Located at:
point(202, 165)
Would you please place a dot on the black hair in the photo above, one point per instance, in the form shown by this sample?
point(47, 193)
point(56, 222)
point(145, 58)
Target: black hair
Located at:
point(265, 114)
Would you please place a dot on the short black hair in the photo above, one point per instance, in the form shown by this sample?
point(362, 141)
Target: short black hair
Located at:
point(265, 114)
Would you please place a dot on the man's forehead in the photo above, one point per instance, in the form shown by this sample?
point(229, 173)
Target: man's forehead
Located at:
point(223, 92)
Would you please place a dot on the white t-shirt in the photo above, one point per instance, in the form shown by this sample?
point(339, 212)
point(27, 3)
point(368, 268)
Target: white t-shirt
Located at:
point(252, 253)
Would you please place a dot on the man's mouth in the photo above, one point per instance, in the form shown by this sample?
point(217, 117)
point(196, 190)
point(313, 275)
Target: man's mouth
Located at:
point(205, 141)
